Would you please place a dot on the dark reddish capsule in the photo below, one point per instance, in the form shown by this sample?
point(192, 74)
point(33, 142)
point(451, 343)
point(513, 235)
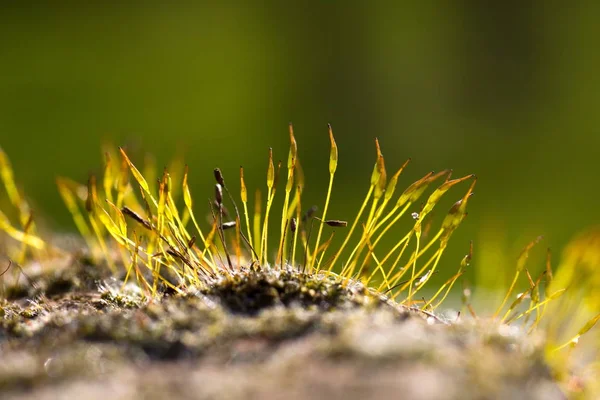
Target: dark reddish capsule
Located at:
point(219, 194)
point(219, 177)
point(293, 225)
point(336, 223)
point(228, 225)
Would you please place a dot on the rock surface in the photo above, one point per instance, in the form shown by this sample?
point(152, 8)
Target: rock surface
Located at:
point(257, 335)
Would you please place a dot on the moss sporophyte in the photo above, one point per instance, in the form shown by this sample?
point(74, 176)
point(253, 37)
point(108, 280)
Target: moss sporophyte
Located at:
point(140, 241)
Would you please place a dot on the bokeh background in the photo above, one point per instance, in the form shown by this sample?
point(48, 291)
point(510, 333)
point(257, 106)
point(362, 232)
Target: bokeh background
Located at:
point(509, 91)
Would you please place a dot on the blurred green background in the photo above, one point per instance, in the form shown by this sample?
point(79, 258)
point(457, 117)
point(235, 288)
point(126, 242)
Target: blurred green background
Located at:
point(509, 91)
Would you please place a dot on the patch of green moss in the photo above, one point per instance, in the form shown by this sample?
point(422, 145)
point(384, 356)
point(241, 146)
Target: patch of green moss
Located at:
point(265, 320)
point(249, 291)
point(54, 277)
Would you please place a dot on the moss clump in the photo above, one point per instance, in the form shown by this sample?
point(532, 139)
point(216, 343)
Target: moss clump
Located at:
point(293, 330)
point(156, 290)
point(249, 291)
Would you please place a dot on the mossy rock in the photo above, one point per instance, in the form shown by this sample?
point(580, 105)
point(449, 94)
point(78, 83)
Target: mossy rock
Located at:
point(268, 334)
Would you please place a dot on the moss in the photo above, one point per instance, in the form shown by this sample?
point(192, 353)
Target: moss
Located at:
point(253, 321)
point(72, 323)
point(55, 277)
point(249, 291)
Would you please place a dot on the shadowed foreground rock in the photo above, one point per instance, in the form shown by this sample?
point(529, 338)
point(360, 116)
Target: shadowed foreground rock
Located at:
point(261, 335)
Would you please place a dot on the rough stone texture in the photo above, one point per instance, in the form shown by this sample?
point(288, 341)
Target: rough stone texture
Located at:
point(259, 334)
